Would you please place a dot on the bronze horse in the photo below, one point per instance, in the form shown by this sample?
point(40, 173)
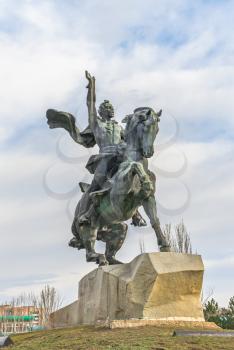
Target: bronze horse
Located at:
point(132, 186)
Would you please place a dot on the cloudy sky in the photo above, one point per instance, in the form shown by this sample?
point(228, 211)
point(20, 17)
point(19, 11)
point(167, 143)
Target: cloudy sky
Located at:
point(176, 55)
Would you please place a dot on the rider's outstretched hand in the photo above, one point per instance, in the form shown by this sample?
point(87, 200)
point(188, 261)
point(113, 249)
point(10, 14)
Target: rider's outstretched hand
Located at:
point(88, 75)
point(91, 80)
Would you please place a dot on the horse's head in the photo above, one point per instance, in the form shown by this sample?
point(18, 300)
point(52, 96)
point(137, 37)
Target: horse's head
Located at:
point(147, 128)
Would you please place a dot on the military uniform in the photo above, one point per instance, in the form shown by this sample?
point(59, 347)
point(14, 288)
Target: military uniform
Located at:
point(109, 137)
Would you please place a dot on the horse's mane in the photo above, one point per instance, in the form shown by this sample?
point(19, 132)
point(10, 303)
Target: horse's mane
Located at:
point(133, 120)
point(132, 123)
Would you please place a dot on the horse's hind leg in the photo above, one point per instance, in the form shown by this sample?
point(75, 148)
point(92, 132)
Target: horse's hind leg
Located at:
point(89, 236)
point(114, 240)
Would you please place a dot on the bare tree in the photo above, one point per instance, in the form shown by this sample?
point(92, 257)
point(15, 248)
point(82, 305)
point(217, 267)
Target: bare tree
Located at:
point(183, 239)
point(43, 304)
point(49, 301)
point(206, 296)
point(179, 241)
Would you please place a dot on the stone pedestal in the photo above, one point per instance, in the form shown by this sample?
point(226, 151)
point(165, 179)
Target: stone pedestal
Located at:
point(153, 286)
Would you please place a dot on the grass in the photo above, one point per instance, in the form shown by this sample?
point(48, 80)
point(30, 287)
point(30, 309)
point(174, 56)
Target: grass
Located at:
point(90, 338)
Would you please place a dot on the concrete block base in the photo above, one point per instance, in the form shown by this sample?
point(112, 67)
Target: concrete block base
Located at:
point(152, 287)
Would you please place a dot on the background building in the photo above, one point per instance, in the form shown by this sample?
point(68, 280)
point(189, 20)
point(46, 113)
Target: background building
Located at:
point(18, 319)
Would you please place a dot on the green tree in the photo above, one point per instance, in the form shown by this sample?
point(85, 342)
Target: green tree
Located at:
point(231, 306)
point(211, 309)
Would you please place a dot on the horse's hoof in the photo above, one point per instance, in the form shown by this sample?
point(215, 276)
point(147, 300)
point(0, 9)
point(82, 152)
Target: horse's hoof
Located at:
point(142, 223)
point(113, 261)
point(101, 260)
point(75, 243)
point(92, 257)
point(165, 248)
point(139, 223)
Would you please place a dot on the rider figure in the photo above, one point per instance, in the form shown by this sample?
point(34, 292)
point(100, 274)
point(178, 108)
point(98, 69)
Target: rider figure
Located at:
point(104, 131)
point(109, 136)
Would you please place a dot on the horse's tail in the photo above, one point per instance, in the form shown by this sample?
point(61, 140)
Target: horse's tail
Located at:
point(76, 241)
point(74, 230)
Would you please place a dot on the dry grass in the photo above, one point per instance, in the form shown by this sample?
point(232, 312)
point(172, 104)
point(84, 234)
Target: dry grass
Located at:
point(89, 338)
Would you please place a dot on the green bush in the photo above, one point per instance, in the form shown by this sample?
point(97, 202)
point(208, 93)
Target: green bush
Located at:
point(223, 321)
point(222, 317)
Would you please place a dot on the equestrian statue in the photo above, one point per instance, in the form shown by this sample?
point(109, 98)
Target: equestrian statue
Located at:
point(122, 181)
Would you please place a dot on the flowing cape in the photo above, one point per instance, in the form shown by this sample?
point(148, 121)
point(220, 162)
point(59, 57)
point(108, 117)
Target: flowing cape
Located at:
point(59, 119)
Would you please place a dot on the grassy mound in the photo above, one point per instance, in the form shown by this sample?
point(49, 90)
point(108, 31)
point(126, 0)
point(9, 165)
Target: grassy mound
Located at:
point(89, 338)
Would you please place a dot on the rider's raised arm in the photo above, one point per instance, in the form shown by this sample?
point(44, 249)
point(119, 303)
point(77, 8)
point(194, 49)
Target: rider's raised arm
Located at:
point(91, 100)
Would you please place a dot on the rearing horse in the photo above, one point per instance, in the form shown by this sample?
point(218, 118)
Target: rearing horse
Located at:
point(131, 186)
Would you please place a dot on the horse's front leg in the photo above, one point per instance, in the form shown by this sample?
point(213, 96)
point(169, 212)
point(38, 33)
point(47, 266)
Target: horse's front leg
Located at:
point(150, 208)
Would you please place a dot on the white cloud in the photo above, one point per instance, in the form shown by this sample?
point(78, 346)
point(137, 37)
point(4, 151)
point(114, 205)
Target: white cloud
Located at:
point(227, 262)
point(46, 64)
point(173, 55)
